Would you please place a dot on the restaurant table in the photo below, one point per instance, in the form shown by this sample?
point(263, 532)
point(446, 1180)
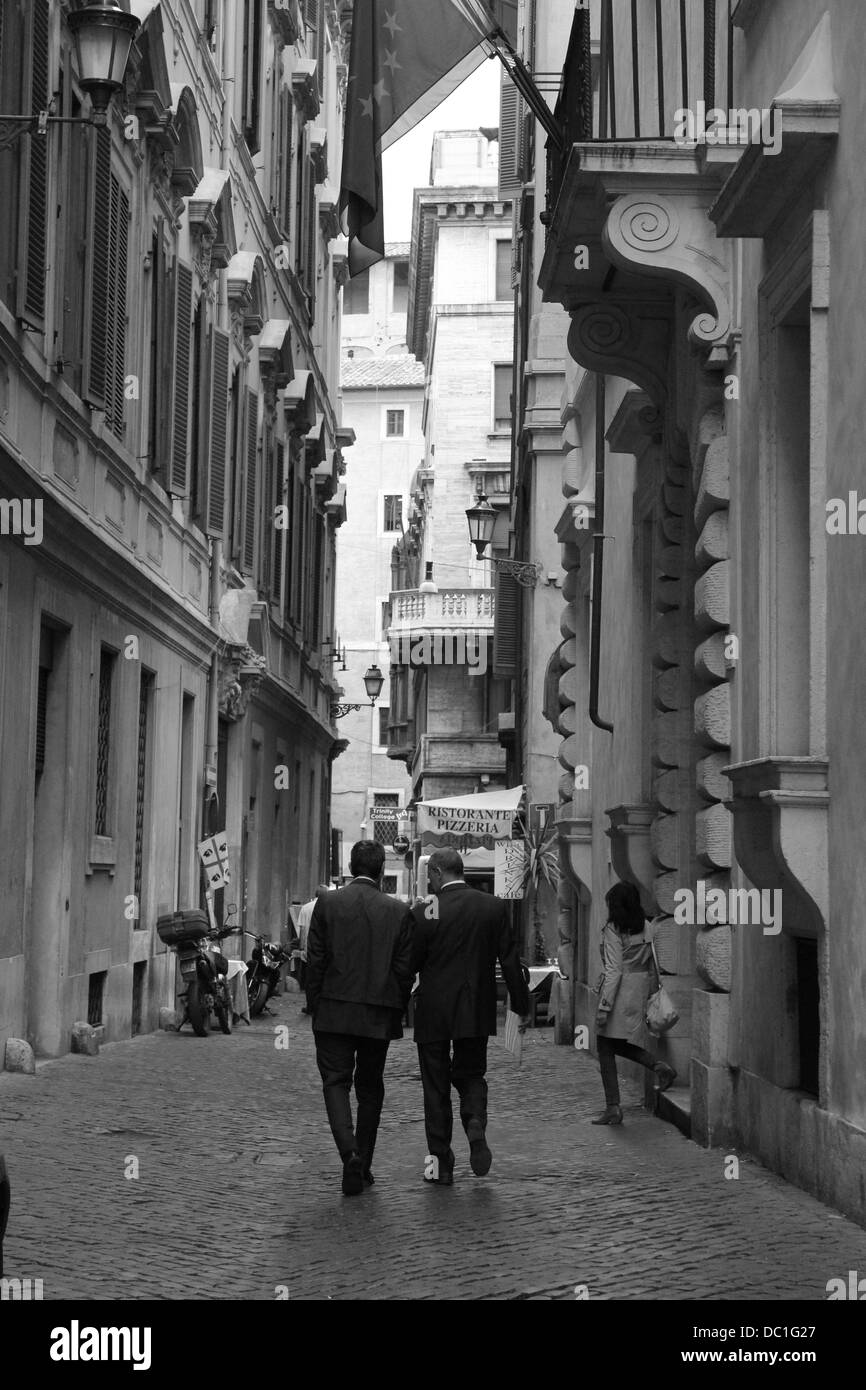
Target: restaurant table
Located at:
point(542, 979)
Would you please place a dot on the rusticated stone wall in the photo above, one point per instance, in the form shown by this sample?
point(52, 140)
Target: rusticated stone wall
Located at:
point(712, 712)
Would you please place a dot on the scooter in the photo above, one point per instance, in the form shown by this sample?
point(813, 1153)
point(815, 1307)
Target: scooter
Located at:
point(263, 971)
point(203, 968)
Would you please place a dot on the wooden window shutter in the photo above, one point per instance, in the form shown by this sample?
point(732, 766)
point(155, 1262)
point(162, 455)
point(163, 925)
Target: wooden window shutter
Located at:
point(506, 623)
point(248, 548)
point(286, 161)
point(100, 225)
point(219, 433)
point(267, 508)
point(34, 179)
point(320, 46)
point(309, 235)
point(118, 266)
point(279, 534)
point(182, 358)
point(106, 329)
point(509, 138)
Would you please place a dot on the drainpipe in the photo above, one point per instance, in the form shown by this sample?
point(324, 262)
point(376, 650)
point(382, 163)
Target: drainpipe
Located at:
point(598, 540)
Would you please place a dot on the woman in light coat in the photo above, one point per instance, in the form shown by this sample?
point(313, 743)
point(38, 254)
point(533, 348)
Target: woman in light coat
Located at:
point(628, 979)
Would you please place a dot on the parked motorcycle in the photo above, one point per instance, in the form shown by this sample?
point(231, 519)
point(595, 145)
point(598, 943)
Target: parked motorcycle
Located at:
point(203, 968)
point(263, 971)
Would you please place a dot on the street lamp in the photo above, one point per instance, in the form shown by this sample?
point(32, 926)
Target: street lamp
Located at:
point(482, 520)
point(103, 36)
point(373, 682)
point(102, 33)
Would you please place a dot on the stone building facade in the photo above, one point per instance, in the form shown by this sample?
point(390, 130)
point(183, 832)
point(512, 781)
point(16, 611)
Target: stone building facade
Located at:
point(445, 696)
point(710, 640)
point(169, 350)
point(383, 395)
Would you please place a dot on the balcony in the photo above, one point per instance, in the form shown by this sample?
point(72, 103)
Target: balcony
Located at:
point(630, 192)
point(447, 620)
point(630, 68)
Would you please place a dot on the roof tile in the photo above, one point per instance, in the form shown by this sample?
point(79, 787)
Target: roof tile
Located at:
point(399, 370)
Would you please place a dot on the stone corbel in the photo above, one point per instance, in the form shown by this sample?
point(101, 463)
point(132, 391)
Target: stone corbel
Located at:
point(340, 264)
point(625, 339)
point(285, 19)
point(780, 810)
point(631, 849)
point(329, 216)
point(241, 672)
point(575, 838)
point(305, 88)
point(318, 145)
point(275, 357)
point(210, 220)
point(670, 236)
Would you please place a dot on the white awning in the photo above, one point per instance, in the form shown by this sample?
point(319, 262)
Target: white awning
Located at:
point(479, 816)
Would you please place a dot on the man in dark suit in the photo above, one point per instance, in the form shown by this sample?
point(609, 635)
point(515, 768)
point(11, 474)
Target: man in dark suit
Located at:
point(359, 973)
point(456, 1005)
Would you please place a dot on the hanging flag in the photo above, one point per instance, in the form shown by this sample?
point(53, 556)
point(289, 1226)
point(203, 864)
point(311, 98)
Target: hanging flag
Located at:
point(406, 57)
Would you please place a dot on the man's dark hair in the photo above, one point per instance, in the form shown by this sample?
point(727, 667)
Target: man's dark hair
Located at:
point(624, 908)
point(448, 860)
point(367, 858)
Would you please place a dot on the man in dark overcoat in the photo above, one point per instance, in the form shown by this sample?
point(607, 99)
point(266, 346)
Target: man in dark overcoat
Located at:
point(359, 974)
point(455, 1007)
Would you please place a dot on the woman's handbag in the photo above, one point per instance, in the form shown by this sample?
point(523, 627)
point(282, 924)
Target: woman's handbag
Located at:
point(660, 1012)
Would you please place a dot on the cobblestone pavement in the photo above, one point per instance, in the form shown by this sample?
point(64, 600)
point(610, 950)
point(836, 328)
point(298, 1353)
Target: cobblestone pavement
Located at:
point(233, 1125)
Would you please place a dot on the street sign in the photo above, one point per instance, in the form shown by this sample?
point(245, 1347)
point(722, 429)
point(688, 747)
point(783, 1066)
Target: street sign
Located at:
point(400, 844)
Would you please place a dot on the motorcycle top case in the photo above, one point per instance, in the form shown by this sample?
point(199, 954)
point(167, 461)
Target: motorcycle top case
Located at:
point(176, 927)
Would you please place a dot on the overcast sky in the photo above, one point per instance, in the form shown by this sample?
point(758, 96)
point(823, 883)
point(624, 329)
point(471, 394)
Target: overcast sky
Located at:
point(406, 165)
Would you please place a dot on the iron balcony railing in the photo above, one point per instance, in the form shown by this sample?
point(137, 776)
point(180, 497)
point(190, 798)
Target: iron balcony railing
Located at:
point(632, 64)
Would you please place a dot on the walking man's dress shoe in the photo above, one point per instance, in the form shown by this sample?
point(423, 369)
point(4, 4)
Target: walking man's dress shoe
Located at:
point(480, 1157)
point(611, 1115)
point(443, 1174)
point(368, 1177)
point(353, 1175)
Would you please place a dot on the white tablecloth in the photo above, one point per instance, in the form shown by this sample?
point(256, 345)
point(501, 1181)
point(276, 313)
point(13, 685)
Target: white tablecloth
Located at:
point(539, 973)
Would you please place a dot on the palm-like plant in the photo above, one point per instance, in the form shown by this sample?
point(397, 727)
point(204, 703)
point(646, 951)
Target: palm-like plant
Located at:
point(540, 865)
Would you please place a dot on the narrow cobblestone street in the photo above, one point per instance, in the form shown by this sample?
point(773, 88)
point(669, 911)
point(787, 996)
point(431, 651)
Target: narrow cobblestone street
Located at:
point(236, 1126)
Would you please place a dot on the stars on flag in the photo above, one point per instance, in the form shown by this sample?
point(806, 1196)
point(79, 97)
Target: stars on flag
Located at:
point(392, 25)
point(391, 60)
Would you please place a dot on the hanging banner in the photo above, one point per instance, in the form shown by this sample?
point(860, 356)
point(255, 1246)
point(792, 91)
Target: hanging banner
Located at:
point(509, 858)
point(214, 855)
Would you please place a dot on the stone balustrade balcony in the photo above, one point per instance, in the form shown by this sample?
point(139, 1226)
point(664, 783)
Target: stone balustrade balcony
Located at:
point(448, 613)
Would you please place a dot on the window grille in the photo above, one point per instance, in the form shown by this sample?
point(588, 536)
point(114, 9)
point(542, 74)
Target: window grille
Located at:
point(138, 975)
point(385, 826)
point(103, 740)
point(95, 995)
point(140, 786)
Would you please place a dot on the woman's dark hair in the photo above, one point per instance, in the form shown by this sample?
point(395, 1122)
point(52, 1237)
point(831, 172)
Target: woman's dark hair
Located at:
point(624, 908)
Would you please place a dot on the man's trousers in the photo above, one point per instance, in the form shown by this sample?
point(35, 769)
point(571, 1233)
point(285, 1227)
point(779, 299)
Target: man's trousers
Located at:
point(342, 1058)
point(440, 1071)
